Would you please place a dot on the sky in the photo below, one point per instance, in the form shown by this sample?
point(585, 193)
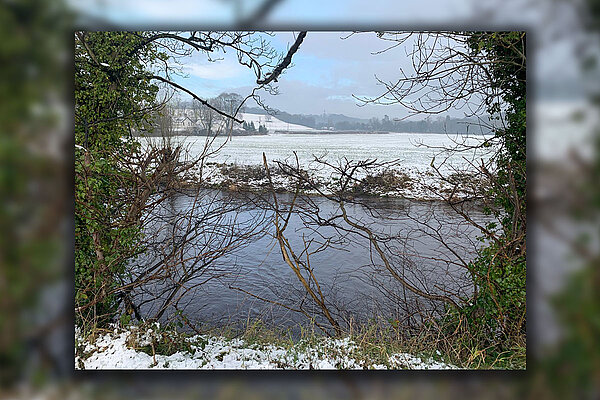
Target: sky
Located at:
point(213, 12)
point(328, 72)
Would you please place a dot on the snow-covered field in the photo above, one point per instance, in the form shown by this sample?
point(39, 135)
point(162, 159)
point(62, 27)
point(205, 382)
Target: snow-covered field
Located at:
point(111, 351)
point(412, 153)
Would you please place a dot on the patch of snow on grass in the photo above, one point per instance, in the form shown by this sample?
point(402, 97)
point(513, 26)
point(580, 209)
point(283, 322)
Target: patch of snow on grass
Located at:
point(112, 351)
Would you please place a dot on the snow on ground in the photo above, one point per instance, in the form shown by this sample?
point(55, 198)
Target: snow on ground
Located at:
point(409, 154)
point(272, 123)
point(111, 351)
point(420, 187)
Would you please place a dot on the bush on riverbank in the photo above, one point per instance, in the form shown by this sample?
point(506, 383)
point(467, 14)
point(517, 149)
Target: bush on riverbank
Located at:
point(382, 182)
point(244, 173)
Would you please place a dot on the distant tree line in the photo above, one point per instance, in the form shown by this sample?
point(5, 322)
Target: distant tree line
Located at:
point(428, 125)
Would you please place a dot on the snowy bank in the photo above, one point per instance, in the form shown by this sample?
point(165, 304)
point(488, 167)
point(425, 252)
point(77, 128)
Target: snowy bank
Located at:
point(121, 349)
point(393, 183)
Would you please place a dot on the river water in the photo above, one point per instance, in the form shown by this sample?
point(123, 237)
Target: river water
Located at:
point(234, 281)
point(247, 277)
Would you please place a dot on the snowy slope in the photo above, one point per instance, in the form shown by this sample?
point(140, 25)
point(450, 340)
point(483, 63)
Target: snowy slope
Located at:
point(272, 123)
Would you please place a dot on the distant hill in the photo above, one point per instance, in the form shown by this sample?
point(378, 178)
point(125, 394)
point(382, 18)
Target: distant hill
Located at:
point(272, 123)
point(315, 121)
point(341, 122)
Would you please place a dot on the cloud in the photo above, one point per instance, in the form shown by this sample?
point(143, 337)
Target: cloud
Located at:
point(215, 70)
point(341, 97)
point(147, 13)
point(327, 71)
point(345, 82)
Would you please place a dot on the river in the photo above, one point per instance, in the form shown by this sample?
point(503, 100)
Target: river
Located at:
point(243, 282)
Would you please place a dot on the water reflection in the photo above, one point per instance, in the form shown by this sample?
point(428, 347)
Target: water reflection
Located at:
point(247, 278)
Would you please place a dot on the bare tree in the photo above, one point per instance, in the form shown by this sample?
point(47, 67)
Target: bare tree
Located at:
point(150, 179)
point(483, 74)
point(407, 278)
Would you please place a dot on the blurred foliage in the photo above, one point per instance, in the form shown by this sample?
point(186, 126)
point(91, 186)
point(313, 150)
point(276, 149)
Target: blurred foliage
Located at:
point(31, 58)
point(571, 370)
point(32, 63)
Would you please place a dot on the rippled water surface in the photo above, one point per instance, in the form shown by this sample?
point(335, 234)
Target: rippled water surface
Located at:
point(350, 273)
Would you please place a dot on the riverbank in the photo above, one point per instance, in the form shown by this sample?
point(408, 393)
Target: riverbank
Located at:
point(389, 182)
point(407, 163)
point(153, 347)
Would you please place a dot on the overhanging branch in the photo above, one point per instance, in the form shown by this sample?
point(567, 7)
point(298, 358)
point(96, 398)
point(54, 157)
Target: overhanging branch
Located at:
point(285, 63)
point(204, 102)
